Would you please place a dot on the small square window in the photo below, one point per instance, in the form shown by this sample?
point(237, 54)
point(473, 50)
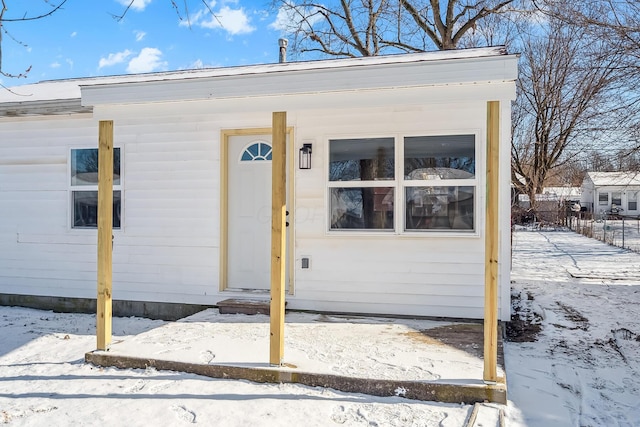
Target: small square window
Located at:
point(603, 199)
point(616, 199)
point(84, 188)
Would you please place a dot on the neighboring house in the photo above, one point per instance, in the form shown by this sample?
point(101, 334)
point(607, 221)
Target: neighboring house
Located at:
point(555, 195)
point(603, 192)
point(551, 205)
point(389, 219)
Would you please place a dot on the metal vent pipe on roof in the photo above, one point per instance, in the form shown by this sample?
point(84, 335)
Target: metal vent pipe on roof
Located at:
point(283, 50)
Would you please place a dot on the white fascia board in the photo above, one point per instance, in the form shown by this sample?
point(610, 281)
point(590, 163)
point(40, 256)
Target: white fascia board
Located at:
point(290, 81)
point(380, 98)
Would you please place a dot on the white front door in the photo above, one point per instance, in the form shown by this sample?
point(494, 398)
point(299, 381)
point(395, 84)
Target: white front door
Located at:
point(249, 212)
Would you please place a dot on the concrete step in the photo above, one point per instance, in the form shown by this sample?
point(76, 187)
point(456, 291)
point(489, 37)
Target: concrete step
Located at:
point(244, 306)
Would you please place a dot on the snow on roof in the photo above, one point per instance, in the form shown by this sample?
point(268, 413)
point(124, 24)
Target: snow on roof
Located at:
point(70, 88)
point(563, 191)
point(602, 179)
point(555, 194)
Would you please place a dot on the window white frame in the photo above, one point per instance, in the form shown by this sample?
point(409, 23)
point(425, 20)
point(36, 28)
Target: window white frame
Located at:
point(400, 184)
point(74, 188)
point(603, 201)
point(616, 198)
point(632, 200)
point(374, 183)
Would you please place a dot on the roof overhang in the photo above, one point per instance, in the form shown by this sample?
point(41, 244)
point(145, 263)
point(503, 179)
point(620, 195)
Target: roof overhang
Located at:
point(334, 76)
point(43, 108)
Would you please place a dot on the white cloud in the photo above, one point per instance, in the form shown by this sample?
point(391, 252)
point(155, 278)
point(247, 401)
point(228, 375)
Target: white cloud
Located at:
point(290, 16)
point(140, 35)
point(197, 64)
point(138, 5)
point(74, 34)
point(55, 65)
point(233, 21)
point(114, 58)
point(147, 61)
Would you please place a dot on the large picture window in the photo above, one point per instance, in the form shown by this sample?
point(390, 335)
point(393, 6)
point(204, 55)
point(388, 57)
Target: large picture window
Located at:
point(414, 184)
point(84, 188)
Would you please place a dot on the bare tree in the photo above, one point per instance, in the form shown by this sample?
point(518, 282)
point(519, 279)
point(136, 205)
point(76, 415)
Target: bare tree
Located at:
point(350, 28)
point(609, 19)
point(571, 91)
point(181, 9)
point(447, 27)
point(21, 16)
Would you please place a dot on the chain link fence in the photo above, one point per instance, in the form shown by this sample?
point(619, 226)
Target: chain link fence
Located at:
point(618, 231)
point(614, 230)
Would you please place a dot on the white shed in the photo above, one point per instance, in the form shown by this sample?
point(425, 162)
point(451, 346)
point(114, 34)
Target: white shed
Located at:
point(388, 219)
point(604, 191)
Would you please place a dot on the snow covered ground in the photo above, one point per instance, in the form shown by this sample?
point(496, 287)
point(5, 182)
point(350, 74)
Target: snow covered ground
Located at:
point(576, 362)
point(584, 367)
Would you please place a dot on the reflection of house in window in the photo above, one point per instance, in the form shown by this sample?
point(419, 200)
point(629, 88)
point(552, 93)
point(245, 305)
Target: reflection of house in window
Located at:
point(348, 211)
point(438, 183)
point(361, 174)
point(439, 208)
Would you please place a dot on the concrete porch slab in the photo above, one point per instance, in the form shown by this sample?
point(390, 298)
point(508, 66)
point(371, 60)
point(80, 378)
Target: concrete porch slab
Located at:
point(416, 359)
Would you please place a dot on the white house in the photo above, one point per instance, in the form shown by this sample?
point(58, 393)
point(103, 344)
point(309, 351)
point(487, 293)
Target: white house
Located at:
point(388, 219)
point(602, 191)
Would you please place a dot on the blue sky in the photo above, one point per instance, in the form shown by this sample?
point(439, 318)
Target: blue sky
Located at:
point(83, 39)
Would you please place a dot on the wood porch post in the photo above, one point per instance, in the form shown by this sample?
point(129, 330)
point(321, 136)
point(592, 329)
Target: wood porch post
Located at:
point(491, 245)
point(278, 236)
point(105, 236)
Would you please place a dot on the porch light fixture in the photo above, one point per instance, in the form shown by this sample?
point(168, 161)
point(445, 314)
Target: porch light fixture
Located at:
point(305, 156)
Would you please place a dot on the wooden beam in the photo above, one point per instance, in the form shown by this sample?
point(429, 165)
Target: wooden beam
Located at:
point(105, 236)
point(278, 236)
point(491, 244)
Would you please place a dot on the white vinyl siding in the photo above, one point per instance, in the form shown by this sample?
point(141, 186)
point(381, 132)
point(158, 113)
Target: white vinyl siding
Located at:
point(169, 250)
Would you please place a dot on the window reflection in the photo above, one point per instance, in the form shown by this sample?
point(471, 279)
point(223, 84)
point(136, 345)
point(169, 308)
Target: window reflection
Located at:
point(439, 157)
point(84, 166)
point(85, 209)
point(362, 208)
point(363, 159)
point(429, 208)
